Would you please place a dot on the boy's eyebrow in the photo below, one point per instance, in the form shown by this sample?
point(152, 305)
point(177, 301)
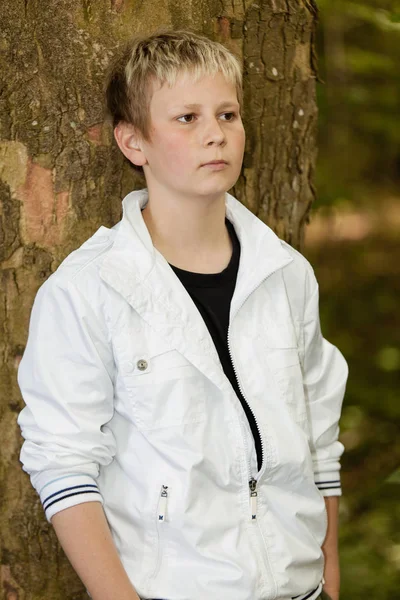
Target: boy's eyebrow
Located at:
point(195, 106)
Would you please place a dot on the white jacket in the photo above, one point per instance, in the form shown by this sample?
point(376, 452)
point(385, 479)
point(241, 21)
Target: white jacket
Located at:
point(127, 404)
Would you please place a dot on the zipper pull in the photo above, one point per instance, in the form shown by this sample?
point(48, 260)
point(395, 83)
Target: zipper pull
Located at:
point(162, 505)
point(253, 498)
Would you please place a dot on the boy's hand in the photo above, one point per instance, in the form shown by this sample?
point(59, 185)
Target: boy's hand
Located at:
point(325, 596)
point(331, 587)
point(93, 553)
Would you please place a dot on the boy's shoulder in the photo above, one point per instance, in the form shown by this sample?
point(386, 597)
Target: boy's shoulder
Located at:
point(88, 256)
point(299, 277)
point(80, 270)
point(299, 264)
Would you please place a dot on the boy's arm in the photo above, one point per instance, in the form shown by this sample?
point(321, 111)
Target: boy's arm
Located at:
point(92, 553)
point(325, 374)
point(66, 380)
point(331, 550)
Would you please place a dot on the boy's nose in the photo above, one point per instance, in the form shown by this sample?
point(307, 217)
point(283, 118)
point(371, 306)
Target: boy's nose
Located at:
point(214, 134)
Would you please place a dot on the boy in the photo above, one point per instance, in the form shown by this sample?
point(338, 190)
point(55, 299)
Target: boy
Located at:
point(179, 392)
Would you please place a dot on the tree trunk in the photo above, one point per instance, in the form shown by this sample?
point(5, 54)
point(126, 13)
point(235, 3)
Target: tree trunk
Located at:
point(61, 177)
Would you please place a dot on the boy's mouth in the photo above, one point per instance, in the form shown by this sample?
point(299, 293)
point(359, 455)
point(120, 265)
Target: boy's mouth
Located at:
point(215, 162)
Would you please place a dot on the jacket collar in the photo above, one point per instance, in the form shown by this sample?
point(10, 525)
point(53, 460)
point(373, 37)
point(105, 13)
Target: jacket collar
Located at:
point(261, 250)
point(135, 269)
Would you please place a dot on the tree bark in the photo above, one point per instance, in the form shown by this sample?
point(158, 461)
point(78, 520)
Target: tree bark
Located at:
point(61, 177)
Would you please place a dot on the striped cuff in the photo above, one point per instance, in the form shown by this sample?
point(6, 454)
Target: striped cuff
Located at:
point(328, 486)
point(68, 490)
point(313, 595)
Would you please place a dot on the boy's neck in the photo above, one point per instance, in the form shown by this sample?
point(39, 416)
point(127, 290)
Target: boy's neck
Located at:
point(191, 234)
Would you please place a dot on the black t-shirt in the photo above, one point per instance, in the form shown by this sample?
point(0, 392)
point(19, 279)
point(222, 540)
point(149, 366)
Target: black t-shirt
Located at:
point(212, 294)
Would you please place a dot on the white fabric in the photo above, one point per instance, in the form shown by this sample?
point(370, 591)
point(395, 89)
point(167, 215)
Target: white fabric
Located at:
point(97, 415)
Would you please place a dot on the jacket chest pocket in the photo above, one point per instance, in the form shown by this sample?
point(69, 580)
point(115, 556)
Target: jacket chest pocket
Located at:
point(282, 357)
point(285, 366)
point(165, 391)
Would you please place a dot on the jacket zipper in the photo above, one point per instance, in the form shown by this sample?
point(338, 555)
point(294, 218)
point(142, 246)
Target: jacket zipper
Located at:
point(253, 497)
point(161, 512)
point(252, 481)
point(162, 505)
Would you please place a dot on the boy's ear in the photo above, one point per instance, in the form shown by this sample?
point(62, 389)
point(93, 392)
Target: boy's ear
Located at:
point(129, 143)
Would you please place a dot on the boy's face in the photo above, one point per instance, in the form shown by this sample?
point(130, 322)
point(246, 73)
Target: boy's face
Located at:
point(184, 138)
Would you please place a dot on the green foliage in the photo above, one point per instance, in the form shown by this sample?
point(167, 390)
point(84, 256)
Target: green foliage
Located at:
point(358, 44)
point(358, 165)
point(359, 292)
point(394, 477)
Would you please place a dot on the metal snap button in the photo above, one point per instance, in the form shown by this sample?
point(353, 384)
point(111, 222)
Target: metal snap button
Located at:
point(142, 364)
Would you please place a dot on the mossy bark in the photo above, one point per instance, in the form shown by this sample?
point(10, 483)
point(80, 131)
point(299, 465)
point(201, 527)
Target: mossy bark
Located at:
point(61, 177)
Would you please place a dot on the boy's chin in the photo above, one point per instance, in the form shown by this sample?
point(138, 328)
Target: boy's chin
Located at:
point(215, 187)
point(215, 191)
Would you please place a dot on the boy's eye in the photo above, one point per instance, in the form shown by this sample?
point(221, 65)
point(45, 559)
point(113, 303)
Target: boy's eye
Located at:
point(191, 116)
point(231, 115)
point(184, 117)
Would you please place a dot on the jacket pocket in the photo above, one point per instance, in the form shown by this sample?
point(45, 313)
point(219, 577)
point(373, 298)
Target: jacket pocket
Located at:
point(288, 376)
point(282, 357)
point(165, 390)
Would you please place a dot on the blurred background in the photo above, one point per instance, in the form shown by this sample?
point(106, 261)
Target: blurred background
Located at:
point(353, 242)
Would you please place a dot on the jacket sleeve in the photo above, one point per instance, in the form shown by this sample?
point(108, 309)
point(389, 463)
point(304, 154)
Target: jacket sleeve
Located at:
point(65, 377)
point(325, 374)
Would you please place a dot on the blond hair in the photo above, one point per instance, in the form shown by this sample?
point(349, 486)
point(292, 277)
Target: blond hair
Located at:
point(162, 57)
